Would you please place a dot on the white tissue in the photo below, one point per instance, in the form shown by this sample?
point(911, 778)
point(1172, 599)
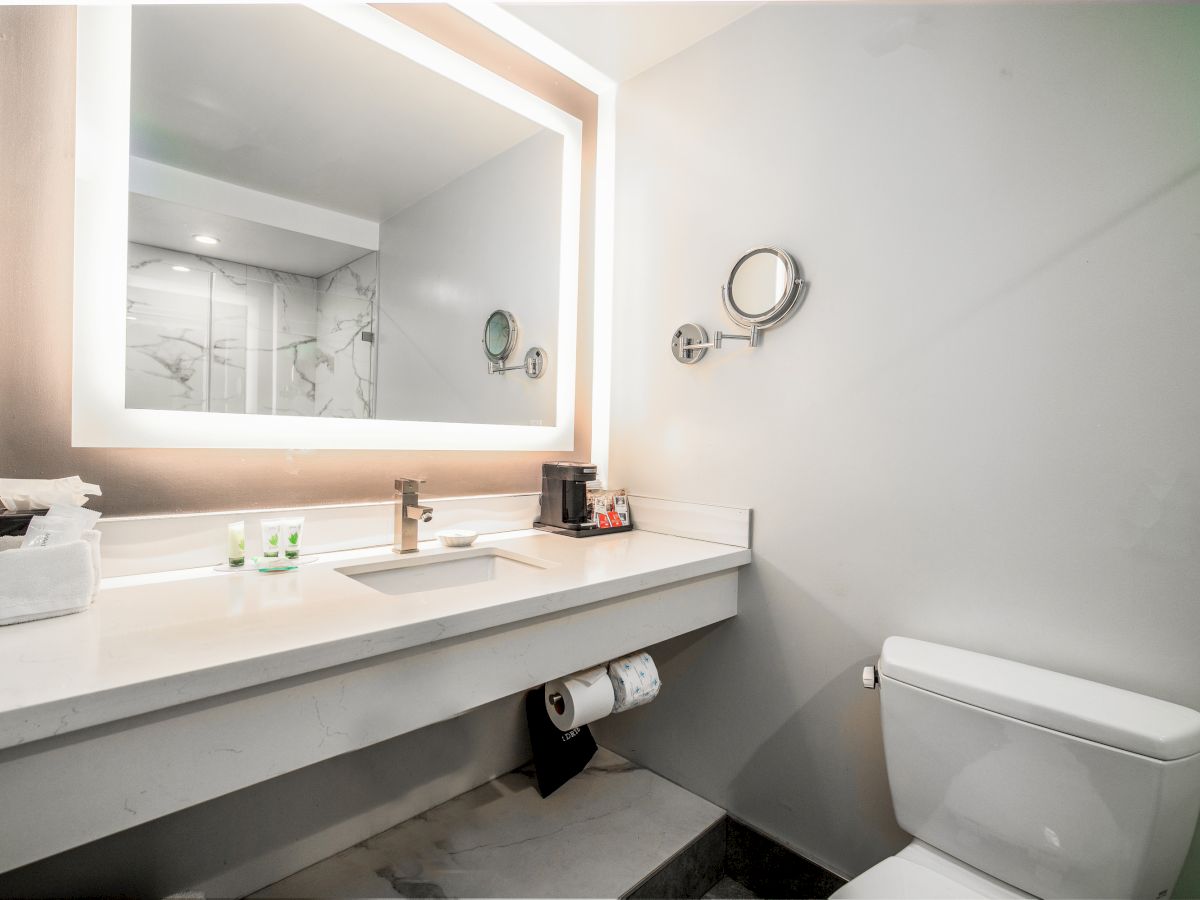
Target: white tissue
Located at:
point(84, 518)
point(61, 524)
point(635, 681)
point(38, 493)
point(585, 697)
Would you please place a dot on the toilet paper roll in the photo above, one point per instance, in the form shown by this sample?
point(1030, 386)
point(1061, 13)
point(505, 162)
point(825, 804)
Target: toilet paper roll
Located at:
point(580, 698)
point(634, 680)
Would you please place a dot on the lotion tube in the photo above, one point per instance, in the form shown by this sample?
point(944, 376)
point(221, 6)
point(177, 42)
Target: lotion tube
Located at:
point(291, 530)
point(271, 537)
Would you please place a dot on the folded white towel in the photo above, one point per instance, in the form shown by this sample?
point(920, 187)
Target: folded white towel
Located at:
point(40, 493)
point(40, 582)
point(92, 538)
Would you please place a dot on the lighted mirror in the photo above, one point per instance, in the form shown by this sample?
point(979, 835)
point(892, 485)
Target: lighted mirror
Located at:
point(316, 209)
point(763, 288)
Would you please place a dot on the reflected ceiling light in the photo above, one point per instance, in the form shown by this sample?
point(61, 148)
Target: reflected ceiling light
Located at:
point(205, 239)
point(180, 269)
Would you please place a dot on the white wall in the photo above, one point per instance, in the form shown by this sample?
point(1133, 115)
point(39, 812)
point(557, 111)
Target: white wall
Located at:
point(983, 426)
point(488, 240)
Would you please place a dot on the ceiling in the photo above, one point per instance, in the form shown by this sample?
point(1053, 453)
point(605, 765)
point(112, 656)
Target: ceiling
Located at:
point(160, 223)
point(282, 100)
point(625, 39)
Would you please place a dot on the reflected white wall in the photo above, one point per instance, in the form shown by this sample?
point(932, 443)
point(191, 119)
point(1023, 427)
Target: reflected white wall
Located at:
point(488, 240)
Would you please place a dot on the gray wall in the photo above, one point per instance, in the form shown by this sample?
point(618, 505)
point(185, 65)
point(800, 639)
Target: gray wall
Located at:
point(982, 428)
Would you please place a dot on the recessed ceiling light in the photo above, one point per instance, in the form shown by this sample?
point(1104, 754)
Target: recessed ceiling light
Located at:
point(180, 269)
point(205, 239)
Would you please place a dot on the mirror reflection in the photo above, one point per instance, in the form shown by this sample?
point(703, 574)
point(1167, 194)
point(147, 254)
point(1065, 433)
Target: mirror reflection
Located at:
point(317, 226)
point(760, 282)
point(499, 335)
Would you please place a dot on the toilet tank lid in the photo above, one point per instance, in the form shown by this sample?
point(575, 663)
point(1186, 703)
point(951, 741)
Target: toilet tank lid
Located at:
point(1062, 703)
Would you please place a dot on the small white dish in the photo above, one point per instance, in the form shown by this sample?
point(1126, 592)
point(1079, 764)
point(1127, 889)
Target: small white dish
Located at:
point(457, 537)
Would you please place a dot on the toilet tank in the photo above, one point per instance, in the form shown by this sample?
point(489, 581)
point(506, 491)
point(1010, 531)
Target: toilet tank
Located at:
point(1059, 786)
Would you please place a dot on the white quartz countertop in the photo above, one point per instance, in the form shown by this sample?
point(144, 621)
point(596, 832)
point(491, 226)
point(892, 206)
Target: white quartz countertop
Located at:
point(155, 641)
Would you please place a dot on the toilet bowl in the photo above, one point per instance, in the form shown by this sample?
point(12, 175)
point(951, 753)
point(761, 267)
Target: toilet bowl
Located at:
point(1017, 781)
point(921, 871)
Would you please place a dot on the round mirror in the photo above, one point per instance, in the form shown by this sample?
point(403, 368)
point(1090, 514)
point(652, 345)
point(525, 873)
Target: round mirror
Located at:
point(763, 288)
point(499, 335)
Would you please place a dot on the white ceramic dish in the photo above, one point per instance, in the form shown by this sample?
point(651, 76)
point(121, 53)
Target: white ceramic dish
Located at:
point(457, 537)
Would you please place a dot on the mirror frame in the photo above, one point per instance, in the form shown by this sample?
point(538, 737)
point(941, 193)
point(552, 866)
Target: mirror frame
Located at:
point(784, 305)
point(99, 417)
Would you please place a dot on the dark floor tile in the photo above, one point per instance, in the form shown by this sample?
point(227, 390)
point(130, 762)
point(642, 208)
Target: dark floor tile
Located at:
point(770, 869)
point(691, 872)
point(728, 889)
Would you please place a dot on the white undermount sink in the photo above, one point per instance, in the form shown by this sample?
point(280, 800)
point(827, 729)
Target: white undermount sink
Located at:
point(443, 570)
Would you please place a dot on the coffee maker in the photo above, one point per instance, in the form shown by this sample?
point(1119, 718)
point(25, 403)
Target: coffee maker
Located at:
point(564, 506)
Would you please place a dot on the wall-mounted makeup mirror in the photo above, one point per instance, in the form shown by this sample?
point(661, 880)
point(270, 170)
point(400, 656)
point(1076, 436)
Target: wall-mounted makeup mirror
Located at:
point(764, 288)
point(321, 205)
point(499, 335)
point(499, 339)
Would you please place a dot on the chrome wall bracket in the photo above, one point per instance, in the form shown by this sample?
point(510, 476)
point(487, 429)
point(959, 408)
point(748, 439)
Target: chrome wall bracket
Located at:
point(690, 342)
point(534, 364)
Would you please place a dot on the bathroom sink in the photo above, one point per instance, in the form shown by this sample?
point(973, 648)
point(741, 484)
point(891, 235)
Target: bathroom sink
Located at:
point(409, 576)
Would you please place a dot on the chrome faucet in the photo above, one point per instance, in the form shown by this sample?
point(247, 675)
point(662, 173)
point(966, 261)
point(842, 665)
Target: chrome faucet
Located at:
point(408, 512)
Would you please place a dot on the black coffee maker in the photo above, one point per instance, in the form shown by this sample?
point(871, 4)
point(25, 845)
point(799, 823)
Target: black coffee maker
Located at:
point(564, 508)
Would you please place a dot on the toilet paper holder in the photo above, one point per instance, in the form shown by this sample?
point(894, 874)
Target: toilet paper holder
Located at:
point(556, 700)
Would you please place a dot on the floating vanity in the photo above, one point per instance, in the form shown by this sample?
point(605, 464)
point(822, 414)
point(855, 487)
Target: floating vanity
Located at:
point(179, 687)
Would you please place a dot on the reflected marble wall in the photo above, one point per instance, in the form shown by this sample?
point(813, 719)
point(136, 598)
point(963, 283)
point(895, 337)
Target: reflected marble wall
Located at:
point(345, 374)
point(281, 344)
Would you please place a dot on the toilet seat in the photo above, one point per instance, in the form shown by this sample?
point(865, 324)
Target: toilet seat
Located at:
point(921, 871)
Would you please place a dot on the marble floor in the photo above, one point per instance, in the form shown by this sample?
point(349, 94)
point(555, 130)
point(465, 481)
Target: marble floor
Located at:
point(600, 835)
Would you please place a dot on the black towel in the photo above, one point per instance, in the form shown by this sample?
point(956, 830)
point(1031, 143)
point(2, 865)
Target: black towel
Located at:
point(558, 756)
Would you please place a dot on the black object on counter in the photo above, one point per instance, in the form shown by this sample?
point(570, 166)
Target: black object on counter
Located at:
point(558, 756)
point(564, 501)
point(16, 522)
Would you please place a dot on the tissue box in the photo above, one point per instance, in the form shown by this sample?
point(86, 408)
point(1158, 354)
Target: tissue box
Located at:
point(40, 582)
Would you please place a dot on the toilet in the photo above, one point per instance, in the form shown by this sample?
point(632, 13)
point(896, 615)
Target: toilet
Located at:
point(1017, 781)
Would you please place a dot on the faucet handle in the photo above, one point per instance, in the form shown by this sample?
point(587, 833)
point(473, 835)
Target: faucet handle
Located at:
point(408, 485)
